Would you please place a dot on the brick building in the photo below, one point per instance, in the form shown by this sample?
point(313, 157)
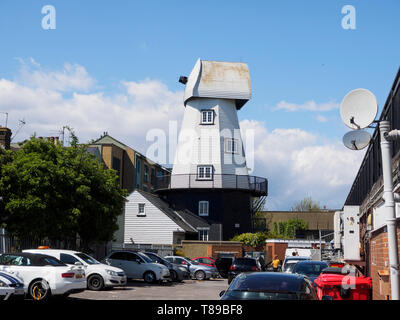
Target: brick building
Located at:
point(135, 171)
point(366, 193)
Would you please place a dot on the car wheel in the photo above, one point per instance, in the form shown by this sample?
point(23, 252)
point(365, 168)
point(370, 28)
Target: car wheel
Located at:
point(200, 275)
point(95, 282)
point(174, 275)
point(149, 277)
point(39, 290)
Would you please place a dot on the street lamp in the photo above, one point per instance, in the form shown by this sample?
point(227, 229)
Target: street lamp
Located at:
point(358, 111)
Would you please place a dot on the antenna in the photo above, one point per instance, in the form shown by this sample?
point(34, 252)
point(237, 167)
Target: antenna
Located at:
point(358, 109)
point(21, 124)
point(356, 139)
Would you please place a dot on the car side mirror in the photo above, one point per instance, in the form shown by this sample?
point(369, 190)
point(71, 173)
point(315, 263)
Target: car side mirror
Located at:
point(78, 263)
point(327, 298)
point(222, 293)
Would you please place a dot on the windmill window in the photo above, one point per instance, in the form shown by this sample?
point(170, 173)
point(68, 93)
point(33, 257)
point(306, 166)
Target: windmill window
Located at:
point(203, 208)
point(204, 172)
point(207, 117)
point(231, 145)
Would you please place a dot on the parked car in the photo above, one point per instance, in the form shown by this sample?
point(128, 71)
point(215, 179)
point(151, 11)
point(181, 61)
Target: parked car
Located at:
point(205, 261)
point(197, 271)
point(138, 266)
point(223, 263)
point(269, 286)
point(178, 273)
point(290, 262)
point(43, 275)
point(312, 269)
point(10, 285)
point(98, 275)
point(240, 265)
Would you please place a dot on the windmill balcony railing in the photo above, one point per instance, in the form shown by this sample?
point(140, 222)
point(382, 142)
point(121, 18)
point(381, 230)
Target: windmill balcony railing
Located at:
point(256, 185)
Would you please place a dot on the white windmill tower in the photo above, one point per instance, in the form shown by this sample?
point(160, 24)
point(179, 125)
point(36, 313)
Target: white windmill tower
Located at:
point(210, 176)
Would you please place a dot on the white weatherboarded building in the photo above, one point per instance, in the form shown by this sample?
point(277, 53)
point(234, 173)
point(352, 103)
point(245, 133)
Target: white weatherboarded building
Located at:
point(150, 220)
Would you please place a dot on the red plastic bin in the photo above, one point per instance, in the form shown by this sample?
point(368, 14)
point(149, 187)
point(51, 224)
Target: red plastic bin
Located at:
point(343, 287)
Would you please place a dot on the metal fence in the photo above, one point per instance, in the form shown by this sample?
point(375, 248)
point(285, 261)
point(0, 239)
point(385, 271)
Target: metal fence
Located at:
point(12, 244)
point(254, 184)
point(160, 249)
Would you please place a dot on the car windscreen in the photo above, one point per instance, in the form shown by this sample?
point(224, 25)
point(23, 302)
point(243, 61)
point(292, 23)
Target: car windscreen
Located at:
point(261, 283)
point(289, 266)
point(309, 269)
point(245, 262)
point(192, 261)
point(144, 257)
point(88, 259)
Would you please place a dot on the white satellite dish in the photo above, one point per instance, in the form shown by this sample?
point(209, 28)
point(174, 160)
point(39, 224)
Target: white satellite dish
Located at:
point(359, 108)
point(357, 139)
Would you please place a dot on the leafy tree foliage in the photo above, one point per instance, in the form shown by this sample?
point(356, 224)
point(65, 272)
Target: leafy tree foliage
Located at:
point(287, 229)
point(307, 204)
point(251, 239)
point(55, 192)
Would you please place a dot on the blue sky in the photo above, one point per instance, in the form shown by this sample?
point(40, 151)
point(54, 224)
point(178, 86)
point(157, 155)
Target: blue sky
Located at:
point(297, 52)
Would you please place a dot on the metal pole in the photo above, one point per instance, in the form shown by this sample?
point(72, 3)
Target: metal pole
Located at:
point(389, 210)
point(320, 245)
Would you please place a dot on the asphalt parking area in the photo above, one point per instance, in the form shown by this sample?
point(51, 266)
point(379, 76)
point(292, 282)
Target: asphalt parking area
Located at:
point(139, 290)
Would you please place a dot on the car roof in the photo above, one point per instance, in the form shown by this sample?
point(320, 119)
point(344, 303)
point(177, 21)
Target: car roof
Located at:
point(269, 278)
point(43, 251)
point(312, 262)
point(297, 258)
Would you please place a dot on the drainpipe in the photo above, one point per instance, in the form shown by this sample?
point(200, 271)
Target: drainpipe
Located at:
point(389, 209)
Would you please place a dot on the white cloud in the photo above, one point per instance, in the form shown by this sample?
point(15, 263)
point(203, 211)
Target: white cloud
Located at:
point(298, 163)
point(71, 77)
point(307, 106)
point(321, 118)
point(128, 115)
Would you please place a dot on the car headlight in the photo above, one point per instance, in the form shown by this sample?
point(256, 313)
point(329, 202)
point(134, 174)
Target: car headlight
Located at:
point(3, 284)
point(112, 273)
point(183, 269)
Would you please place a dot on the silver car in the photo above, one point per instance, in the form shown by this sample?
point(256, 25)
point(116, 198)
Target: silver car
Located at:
point(197, 271)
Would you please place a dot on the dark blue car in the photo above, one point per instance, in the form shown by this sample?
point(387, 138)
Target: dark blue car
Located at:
point(311, 269)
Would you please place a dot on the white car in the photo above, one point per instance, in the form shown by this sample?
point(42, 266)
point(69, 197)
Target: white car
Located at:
point(138, 266)
point(43, 275)
point(10, 285)
point(98, 275)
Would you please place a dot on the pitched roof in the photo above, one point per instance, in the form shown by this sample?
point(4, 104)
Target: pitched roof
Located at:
point(185, 219)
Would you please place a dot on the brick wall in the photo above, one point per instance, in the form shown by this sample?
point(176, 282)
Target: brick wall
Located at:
point(278, 249)
point(379, 264)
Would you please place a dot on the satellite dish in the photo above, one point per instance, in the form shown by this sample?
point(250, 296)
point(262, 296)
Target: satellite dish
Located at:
point(357, 139)
point(359, 108)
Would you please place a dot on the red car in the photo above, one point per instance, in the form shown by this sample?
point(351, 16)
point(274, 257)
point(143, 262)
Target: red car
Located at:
point(205, 261)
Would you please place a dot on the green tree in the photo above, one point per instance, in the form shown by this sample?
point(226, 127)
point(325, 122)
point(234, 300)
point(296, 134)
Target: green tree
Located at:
point(307, 204)
point(59, 192)
point(252, 239)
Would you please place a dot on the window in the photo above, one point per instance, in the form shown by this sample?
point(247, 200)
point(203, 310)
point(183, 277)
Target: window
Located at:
point(231, 145)
point(141, 211)
point(146, 174)
point(118, 256)
point(207, 117)
point(203, 234)
point(203, 208)
point(116, 165)
point(68, 259)
point(204, 172)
